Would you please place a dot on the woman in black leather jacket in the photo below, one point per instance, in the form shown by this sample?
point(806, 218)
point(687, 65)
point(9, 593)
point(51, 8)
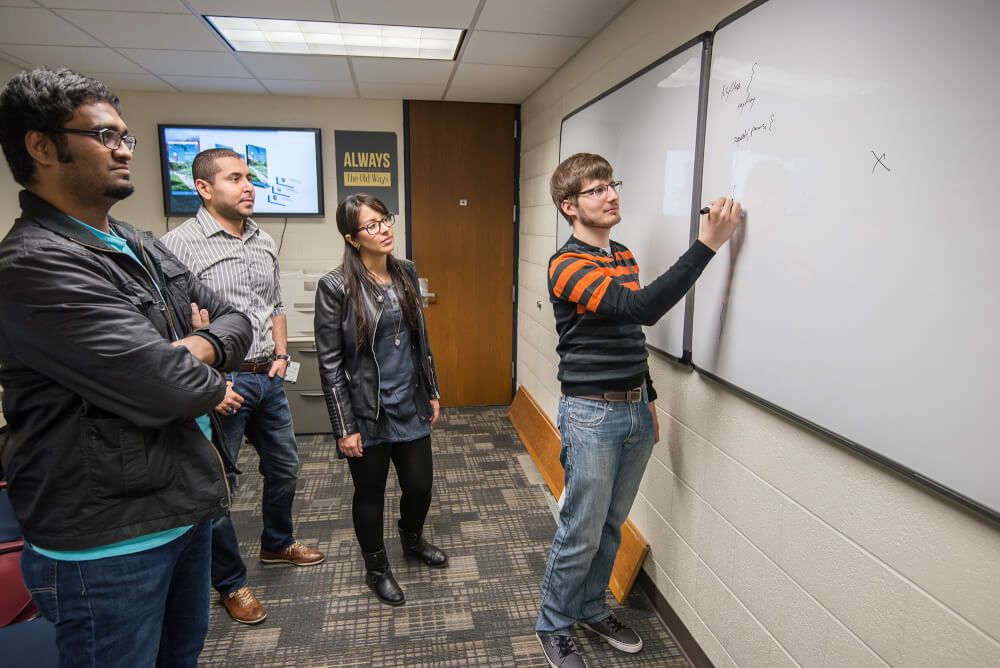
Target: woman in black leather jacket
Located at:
point(380, 385)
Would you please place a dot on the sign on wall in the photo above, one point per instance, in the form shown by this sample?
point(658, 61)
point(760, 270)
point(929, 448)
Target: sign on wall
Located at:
point(366, 163)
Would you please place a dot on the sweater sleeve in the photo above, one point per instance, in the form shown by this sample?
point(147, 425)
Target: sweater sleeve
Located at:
point(579, 279)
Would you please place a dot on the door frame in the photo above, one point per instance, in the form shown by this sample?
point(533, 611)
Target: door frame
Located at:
point(515, 302)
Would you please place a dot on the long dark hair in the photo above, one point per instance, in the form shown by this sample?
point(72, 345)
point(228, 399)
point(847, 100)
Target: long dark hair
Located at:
point(356, 276)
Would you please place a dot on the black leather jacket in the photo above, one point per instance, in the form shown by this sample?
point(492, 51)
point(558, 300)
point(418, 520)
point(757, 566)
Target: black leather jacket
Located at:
point(350, 377)
point(104, 446)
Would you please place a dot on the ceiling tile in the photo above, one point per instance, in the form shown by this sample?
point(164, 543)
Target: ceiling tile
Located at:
point(302, 10)
point(401, 91)
point(552, 17)
point(506, 48)
point(484, 94)
point(120, 82)
point(402, 70)
point(181, 63)
point(426, 13)
point(23, 25)
point(305, 68)
point(160, 6)
point(496, 83)
point(78, 58)
point(470, 74)
point(215, 84)
point(327, 88)
point(150, 31)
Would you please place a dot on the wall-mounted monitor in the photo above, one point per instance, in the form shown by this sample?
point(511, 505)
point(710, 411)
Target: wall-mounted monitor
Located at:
point(286, 166)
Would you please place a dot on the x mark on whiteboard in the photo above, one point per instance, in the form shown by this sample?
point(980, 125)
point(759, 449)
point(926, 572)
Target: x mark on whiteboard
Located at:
point(878, 161)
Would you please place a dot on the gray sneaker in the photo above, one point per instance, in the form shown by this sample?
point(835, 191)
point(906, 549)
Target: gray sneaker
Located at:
point(560, 651)
point(617, 634)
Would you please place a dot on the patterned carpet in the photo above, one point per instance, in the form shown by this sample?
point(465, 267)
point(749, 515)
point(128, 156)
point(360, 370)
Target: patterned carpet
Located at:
point(492, 517)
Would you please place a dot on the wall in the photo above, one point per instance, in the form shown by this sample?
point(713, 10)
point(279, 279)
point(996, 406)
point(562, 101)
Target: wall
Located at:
point(775, 546)
point(309, 243)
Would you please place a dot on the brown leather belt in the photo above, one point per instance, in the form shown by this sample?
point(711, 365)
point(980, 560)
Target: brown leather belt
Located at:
point(256, 367)
point(623, 396)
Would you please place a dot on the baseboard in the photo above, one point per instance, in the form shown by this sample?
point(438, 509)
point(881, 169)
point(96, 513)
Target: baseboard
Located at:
point(541, 440)
point(692, 650)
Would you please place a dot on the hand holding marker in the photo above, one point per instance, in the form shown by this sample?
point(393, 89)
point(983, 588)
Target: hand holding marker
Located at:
point(723, 217)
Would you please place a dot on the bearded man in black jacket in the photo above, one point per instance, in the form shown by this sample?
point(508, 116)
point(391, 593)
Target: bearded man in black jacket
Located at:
point(112, 357)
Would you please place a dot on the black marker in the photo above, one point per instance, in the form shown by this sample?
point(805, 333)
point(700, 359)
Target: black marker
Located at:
point(706, 209)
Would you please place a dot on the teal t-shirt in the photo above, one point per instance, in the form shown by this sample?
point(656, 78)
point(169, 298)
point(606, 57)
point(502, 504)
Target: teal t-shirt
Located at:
point(142, 543)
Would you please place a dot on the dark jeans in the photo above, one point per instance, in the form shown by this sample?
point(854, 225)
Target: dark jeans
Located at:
point(143, 609)
point(415, 472)
point(266, 421)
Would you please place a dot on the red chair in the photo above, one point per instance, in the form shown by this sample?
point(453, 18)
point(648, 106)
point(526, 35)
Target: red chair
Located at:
point(15, 601)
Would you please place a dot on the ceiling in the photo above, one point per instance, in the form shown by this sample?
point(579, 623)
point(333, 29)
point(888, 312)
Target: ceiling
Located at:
point(510, 48)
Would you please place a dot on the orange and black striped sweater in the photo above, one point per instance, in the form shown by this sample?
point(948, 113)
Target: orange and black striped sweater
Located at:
point(600, 309)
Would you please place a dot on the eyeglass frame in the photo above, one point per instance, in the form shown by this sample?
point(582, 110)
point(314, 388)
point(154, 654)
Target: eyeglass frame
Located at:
point(615, 185)
point(372, 229)
point(129, 140)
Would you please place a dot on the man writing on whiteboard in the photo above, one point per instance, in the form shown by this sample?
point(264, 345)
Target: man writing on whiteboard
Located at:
point(607, 418)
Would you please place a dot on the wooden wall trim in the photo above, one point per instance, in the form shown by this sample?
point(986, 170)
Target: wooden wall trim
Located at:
point(541, 440)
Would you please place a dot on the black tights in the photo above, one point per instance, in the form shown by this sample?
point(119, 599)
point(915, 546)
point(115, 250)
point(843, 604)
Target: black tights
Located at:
point(415, 472)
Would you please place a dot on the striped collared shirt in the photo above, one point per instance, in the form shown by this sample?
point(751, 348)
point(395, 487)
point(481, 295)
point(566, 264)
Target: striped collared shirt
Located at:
point(243, 271)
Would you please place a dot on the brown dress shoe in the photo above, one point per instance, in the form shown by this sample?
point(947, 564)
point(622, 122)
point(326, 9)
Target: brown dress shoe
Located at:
point(296, 553)
point(244, 607)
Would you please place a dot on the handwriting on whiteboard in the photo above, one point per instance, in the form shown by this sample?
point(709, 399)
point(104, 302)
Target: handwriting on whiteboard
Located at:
point(745, 102)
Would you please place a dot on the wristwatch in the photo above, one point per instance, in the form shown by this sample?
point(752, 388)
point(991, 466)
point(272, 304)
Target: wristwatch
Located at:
point(287, 358)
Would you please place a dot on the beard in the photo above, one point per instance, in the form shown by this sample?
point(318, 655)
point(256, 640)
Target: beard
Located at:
point(231, 212)
point(120, 191)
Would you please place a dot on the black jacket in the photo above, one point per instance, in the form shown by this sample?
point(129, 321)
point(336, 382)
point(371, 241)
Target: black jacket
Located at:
point(350, 377)
point(104, 446)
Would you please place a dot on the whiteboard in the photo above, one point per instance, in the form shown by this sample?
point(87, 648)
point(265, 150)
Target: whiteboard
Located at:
point(647, 128)
point(860, 136)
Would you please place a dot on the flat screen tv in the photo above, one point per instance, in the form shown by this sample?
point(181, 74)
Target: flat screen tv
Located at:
point(286, 166)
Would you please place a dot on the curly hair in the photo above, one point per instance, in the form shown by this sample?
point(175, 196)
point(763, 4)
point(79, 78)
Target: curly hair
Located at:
point(43, 100)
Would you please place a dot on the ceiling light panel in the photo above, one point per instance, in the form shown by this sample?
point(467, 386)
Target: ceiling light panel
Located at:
point(337, 39)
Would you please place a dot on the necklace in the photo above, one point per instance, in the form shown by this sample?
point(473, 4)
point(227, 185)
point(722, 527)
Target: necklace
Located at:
point(388, 305)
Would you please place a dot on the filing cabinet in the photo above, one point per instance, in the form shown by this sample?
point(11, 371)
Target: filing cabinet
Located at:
point(305, 396)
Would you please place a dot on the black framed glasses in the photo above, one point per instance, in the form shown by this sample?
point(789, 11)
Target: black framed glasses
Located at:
point(110, 138)
point(601, 190)
point(372, 228)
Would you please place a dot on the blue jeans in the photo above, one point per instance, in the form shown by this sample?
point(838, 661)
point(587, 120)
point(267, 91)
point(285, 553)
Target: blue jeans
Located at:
point(605, 447)
point(143, 609)
point(266, 421)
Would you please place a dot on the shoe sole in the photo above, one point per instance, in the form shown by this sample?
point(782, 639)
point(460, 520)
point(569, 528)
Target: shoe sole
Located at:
point(244, 621)
point(548, 661)
point(291, 563)
point(620, 646)
point(419, 558)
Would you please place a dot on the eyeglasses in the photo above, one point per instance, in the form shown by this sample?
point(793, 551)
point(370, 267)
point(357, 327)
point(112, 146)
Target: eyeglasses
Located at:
point(372, 228)
point(110, 138)
point(601, 190)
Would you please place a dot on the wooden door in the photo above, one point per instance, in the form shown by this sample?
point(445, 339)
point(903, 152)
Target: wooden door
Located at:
point(461, 194)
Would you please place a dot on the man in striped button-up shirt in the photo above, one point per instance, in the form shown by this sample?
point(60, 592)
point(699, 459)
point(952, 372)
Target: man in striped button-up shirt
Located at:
point(228, 251)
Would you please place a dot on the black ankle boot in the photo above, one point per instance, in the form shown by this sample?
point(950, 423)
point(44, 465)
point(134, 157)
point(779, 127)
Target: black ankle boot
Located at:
point(414, 545)
point(378, 576)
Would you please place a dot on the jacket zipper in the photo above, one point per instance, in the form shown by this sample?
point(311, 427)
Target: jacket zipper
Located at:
point(173, 330)
point(161, 304)
point(378, 371)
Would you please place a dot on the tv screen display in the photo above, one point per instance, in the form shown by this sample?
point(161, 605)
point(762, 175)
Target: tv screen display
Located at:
point(286, 166)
